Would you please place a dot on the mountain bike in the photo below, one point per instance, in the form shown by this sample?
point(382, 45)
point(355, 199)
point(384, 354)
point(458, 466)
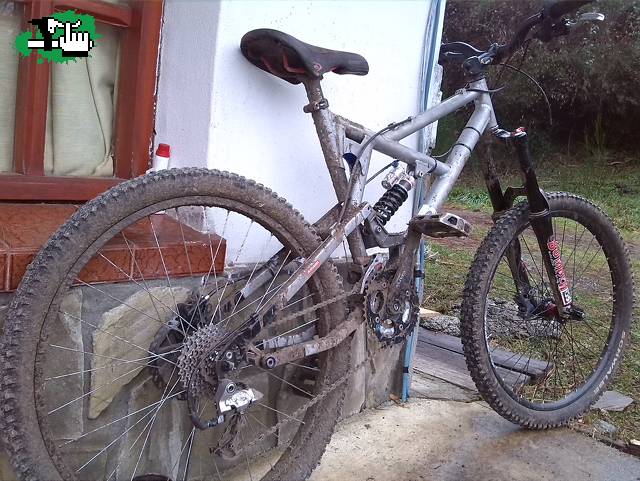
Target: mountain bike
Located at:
point(190, 324)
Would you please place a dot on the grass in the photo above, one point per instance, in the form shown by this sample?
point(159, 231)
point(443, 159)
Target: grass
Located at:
point(445, 275)
point(616, 189)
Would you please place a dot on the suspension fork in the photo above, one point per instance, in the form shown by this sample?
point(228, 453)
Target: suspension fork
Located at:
point(540, 219)
point(501, 201)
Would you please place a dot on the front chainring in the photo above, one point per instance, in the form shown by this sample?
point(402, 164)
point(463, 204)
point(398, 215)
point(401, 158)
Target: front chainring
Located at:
point(391, 326)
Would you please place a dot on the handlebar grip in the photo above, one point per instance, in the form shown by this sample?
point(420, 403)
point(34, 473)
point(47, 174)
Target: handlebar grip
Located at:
point(557, 8)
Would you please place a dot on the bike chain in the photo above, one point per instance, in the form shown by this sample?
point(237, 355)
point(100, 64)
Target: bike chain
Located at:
point(323, 394)
point(315, 307)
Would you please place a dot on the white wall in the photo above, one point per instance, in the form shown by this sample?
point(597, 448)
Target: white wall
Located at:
point(183, 114)
point(218, 110)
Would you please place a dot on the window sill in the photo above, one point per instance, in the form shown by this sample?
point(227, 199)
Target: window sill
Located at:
point(25, 228)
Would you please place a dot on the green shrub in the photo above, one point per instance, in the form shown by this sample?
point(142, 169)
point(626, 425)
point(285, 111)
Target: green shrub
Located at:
point(590, 76)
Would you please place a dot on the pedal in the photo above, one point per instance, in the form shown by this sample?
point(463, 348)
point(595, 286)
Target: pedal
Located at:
point(441, 225)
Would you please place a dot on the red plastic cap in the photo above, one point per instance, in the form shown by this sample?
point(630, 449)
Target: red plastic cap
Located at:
point(164, 150)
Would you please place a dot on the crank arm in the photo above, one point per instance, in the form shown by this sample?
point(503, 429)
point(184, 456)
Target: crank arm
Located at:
point(299, 351)
point(405, 269)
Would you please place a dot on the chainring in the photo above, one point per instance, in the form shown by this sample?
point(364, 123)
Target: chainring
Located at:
point(390, 329)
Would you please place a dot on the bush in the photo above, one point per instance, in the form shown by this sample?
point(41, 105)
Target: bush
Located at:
point(590, 76)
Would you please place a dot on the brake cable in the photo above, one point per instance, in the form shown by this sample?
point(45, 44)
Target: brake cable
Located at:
point(518, 69)
point(537, 84)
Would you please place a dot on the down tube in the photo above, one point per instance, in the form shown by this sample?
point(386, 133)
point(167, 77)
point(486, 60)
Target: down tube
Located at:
point(457, 159)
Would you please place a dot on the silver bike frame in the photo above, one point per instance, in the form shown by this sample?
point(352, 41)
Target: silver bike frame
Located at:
point(336, 132)
point(338, 135)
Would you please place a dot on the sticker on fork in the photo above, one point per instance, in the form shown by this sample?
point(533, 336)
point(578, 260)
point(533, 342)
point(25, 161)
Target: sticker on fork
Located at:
point(558, 269)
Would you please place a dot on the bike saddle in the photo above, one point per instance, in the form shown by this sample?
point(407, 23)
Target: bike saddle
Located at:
point(292, 60)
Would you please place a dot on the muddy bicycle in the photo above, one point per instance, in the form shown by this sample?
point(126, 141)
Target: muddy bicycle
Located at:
point(190, 324)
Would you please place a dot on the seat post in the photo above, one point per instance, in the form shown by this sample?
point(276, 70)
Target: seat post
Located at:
point(325, 124)
point(315, 96)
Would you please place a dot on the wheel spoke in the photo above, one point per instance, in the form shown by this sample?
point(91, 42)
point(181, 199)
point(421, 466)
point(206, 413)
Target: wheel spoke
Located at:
point(566, 346)
point(114, 393)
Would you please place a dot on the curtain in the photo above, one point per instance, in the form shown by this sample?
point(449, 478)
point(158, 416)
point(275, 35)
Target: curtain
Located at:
point(81, 108)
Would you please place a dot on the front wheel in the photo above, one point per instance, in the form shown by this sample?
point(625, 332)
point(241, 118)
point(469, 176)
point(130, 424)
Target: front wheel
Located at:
point(533, 366)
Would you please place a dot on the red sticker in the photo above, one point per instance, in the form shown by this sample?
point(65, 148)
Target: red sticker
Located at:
point(313, 267)
point(558, 269)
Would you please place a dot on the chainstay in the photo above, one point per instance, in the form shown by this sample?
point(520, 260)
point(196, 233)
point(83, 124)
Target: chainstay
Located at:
point(323, 394)
point(315, 307)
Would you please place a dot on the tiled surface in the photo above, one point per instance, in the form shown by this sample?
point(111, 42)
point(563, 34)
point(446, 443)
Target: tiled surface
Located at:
point(152, 248)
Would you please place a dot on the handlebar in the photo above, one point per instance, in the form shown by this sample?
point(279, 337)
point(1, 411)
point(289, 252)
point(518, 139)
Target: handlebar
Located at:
point(556, 9)
point(552, 11)
point(551, 25)
point(518, 39)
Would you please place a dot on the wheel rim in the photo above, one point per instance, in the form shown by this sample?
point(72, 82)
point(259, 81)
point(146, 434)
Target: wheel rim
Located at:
point(83, 427)
point(541, 362)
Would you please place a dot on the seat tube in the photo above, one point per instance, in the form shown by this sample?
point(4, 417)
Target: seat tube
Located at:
point(328, 136)
point(330, 143)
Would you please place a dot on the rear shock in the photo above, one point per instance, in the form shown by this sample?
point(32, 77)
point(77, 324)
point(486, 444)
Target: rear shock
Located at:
point(393, 198)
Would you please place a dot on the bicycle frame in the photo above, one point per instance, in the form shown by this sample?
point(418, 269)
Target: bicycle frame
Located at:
point(357, 221)
point(338, 135)
point(335, 132)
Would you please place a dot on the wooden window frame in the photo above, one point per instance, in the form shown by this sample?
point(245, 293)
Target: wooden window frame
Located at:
point(135, 106)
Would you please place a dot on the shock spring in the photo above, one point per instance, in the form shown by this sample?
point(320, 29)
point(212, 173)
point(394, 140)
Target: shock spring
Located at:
point(392, 199)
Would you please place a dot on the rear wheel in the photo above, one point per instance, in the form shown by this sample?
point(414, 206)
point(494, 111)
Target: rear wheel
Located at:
point(531, 365)
point(110, 336)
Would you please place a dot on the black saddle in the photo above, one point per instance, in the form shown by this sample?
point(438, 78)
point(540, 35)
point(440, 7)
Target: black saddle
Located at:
point(294, 61)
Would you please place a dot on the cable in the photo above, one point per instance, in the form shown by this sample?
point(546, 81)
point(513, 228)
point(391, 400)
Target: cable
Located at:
point(391, 126)
point(443, 155)
point(525, 50)
point(390, 164)
point(535, 82)
point(488, 91)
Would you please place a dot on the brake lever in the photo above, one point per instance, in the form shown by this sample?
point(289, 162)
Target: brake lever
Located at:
point(587, 17)
point(564, 26)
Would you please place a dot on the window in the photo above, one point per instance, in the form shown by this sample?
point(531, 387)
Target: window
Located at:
point(134, 29)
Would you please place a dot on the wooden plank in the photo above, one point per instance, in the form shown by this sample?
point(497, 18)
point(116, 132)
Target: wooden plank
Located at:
point(427, 313)
point(442, 368)
point(50, 188)
point(515, 362)
point(186, 251)
point(451, 367)
point(440, 339)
